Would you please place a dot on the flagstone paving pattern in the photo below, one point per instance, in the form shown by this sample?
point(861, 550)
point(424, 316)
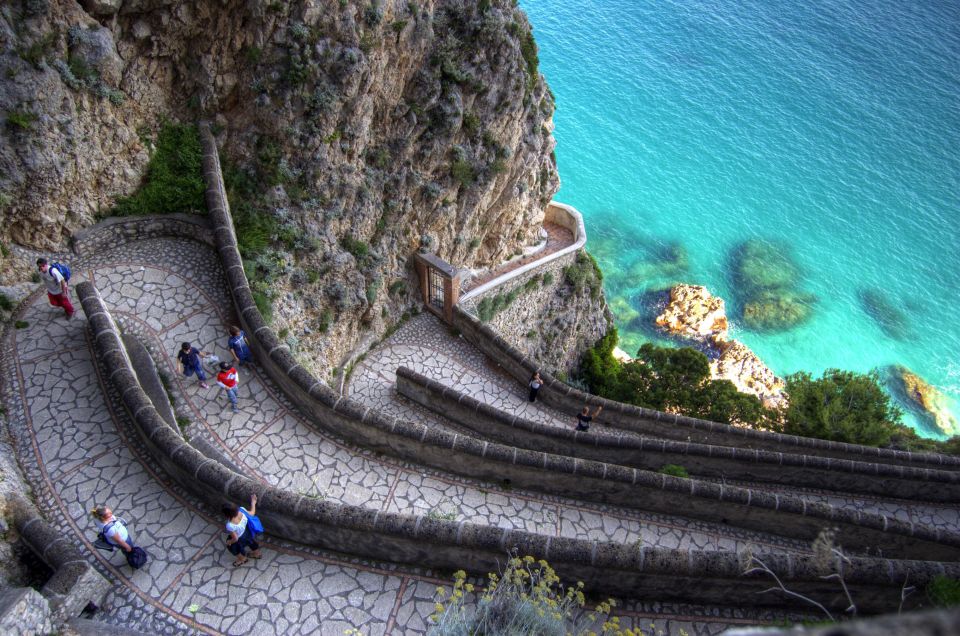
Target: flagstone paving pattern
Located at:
point(78, 449)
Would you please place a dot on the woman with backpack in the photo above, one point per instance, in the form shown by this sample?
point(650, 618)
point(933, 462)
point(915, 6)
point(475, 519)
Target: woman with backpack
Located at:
point(112, 533)
point(241, 533)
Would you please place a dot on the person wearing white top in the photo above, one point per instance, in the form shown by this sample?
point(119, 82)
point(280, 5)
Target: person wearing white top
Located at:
point(58, 292)
point(239, 533)
point(113, 529)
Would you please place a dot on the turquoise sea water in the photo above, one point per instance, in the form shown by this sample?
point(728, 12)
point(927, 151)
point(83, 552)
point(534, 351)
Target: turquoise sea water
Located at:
point(830, 127)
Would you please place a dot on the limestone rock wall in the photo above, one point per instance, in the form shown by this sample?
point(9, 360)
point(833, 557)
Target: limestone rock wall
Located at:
point(372, 125)
point(549, 319)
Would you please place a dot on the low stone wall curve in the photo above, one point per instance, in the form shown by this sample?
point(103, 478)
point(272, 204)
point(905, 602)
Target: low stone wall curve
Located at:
point(918, 484)
point(562, 396)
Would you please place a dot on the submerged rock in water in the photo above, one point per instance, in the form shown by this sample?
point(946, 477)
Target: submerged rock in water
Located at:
point(671, 261)
point(927, 397)
point(778, 309)
point(888, 316)
point(693, 312)
point(766, 278)
point(759, 265)
point(623, 310)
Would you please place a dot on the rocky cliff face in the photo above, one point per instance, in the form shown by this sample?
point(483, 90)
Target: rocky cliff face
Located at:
point(553, 314)
point(366, 129)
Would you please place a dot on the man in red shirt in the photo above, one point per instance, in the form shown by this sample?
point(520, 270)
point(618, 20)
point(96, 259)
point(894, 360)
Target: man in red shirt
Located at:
point(58, 293)
point(228, 379)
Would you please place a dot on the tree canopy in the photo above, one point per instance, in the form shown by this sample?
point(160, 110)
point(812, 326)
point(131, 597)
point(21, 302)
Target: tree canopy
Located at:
point(667, 379)
point(841, 406)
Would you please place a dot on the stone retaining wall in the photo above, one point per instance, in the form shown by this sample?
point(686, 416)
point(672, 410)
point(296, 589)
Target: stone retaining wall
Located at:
point(75, 582)
point(548, 319)
point(606, 567)
point(702, 460)
point(564, 397)
point(555, 474)
point(559, 213)
point(118, 230)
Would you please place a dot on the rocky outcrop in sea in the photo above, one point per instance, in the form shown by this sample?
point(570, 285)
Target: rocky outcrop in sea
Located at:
point(695, 314)
point(928, 398)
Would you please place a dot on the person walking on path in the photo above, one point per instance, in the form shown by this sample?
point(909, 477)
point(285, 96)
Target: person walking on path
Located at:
point(111, 530)
point(240, 532)
point(535, 384)
point(190, 361)
point(584, 418)
point(229, 380)
point(58, 292)
point(239, 346)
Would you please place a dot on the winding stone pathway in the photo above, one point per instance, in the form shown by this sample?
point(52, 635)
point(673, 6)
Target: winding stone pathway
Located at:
point(78, 449)
point(426, 346)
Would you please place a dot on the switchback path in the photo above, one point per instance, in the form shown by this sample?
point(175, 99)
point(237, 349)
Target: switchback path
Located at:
point(426, 346)
point(78, 449)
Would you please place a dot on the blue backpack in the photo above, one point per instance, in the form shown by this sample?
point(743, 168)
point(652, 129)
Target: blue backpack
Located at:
point(256, 527)
point(63, 269)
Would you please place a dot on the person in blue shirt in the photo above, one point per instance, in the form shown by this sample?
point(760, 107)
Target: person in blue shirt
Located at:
point(190, 361)
point(239, 346)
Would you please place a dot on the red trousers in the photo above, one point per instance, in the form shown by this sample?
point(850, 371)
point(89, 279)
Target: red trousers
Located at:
point(61, 300)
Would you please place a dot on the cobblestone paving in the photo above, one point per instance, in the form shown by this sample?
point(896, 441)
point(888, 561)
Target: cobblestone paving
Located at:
point(78, 449)
point(425, 345)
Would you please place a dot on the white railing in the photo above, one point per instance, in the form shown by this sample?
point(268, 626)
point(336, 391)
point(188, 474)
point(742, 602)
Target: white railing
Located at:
point(560, 213)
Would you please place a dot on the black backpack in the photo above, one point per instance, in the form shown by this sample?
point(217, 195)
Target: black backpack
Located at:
point(137, 557)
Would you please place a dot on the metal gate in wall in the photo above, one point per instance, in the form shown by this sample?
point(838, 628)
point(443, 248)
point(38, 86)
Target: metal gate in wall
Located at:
point(435, 294)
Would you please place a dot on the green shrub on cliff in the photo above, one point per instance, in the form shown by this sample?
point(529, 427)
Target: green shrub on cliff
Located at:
point(944, 591)
point(841, 406)
point(526, 597)
point(584, 273)
point(675, 470)
point(667, 379)
point(174, 179)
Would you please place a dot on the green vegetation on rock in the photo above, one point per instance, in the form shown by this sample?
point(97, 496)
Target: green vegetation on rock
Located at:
point(667, 379)
point(174, 179)
point(840, 406)
point(584, 273)
point(944, 591)
point(675, 470)
point(20, 120)
point(526, 597)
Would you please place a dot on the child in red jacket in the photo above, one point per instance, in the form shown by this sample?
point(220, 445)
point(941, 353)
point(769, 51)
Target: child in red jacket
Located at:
point(228, 379)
